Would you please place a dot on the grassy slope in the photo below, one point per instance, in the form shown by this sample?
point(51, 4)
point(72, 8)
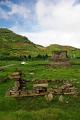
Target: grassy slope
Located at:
point(16, 44)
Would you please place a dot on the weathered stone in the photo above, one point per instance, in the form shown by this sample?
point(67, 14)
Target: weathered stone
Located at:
point(67, 100)
point(37, 88)
point(75, 96)
point(63, 87)
point(23, 88)
point(50, 90)
point(8, 93)
point(49, 97)
point(14, 89)
point(17, 84)
point(67, 90)
point(59, 59)
point(61, 98)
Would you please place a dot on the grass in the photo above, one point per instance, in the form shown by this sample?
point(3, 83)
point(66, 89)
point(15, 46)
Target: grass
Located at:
point(37, 108)
point(42, 114)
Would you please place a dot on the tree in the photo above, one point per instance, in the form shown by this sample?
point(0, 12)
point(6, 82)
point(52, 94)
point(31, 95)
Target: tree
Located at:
point(39, 56)
point(29, 56)
point(46, 56)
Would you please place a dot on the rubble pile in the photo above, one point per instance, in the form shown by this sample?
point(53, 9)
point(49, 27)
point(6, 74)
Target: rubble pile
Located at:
point(66, 88)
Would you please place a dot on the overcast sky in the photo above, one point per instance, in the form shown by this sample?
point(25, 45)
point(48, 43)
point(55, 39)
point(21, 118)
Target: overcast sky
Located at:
point(44, 22)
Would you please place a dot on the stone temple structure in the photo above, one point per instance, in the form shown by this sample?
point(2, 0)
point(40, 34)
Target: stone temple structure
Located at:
point(60, 59)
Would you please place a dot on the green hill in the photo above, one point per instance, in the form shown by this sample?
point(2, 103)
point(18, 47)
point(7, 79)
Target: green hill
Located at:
point(15, 45)
point(7, 35)
point(70, 50)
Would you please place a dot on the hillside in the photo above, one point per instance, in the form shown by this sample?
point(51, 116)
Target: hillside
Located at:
point(70, 50)
point(16, 45)
point(12, 43)
point(7, 35)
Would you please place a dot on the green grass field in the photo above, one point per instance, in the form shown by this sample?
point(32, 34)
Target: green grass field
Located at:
point(37, 108)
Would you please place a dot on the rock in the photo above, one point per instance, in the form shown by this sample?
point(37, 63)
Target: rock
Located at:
point(49, 97)
point(67, 100)
point(61, 98)
point(75, 96)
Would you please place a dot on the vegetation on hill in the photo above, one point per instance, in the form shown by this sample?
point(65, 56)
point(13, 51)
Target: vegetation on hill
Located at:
point(15, 45)
point(12, 44)
point(7, 35)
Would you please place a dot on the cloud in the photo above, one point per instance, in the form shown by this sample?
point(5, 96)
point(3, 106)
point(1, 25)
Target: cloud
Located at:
point(59, 21)
point(46, 21)
point(3, 14)
point(14, 10)
point(42, 38)
point(48, 37)
point(62, 15)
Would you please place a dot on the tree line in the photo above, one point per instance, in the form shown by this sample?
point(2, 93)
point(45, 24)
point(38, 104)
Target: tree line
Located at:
point(22, 57)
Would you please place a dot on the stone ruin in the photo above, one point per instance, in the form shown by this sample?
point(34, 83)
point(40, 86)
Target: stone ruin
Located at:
point(19, 88)
point(60, 59)
point(66, 88)
point(19, 84)
point(38, 88)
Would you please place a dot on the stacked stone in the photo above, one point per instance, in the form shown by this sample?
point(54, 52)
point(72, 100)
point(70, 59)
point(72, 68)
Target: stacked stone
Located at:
point(23, 91)
point(16, 77)
point(59, 59)
point(39, 88)
point(19, 85)
point(66, 88)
